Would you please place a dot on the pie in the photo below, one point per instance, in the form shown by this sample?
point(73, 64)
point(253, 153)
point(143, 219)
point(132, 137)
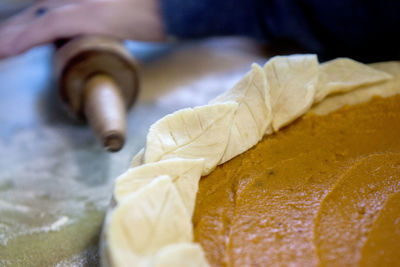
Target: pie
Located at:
point(298, 164)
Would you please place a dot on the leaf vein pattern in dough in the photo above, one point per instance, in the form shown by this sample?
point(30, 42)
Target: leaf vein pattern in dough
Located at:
point(194, 139)
point(252, 114)
point(160, 214)
point(171, 133)
point(201, 124)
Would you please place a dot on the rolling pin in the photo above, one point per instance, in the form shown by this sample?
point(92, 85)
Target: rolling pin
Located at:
point(98, 80)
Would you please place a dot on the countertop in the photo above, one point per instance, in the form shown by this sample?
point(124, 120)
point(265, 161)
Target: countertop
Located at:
point(55, 179)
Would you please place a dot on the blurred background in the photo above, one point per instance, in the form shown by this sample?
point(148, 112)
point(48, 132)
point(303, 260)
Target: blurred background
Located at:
point(55, 178)
point(10, 7)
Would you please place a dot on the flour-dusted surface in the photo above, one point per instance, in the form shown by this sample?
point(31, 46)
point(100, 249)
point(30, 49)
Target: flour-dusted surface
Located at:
point(55, 180)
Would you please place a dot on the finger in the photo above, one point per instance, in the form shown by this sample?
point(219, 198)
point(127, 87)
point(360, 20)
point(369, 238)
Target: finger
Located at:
point(36, 10)
point(24, 21)
point(65, 22)
point(7, 37)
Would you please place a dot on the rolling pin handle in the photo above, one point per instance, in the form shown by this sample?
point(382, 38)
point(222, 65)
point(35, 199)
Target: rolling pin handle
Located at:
point(105, 110)
point(99, 82)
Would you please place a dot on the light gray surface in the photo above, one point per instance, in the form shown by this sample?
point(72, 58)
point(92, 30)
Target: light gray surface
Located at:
point(55, 180)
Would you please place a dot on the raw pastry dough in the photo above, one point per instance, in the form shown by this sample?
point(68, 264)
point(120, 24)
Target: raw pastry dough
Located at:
point(147, 221)
point(184, 173)
point(344, 74)
point(174, 255)
point(253, 115)
point(362, 94)
point(291, 82)
point(192, 133)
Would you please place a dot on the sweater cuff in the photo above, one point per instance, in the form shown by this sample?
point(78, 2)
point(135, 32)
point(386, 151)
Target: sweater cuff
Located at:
point(189, 19)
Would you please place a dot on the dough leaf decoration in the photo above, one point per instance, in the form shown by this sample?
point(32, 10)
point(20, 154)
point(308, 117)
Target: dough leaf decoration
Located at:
point(291, 81)
point(183, 254)
point(361, 94)
point(184, 173)
point(253, 115)
point(147, 221)
point(343, 75)
point(195, 133)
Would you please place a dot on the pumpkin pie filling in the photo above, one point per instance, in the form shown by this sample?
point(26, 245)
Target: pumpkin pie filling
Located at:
point(308, 195)
point(384, 233)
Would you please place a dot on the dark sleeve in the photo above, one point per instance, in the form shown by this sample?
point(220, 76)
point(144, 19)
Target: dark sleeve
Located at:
point(361, 29)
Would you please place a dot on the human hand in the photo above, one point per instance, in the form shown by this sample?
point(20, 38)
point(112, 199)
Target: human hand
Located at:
point(49, 20)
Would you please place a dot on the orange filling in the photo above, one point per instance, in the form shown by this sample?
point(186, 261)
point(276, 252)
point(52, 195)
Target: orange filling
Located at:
point(310, 194)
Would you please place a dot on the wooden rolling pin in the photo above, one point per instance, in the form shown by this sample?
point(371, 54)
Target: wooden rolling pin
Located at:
point(99, 82)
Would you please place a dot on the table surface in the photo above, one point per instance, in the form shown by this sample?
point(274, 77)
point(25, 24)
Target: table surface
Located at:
point(55, 179)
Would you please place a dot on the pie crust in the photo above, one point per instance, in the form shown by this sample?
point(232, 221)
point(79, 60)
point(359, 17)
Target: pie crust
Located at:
point(149, 220)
